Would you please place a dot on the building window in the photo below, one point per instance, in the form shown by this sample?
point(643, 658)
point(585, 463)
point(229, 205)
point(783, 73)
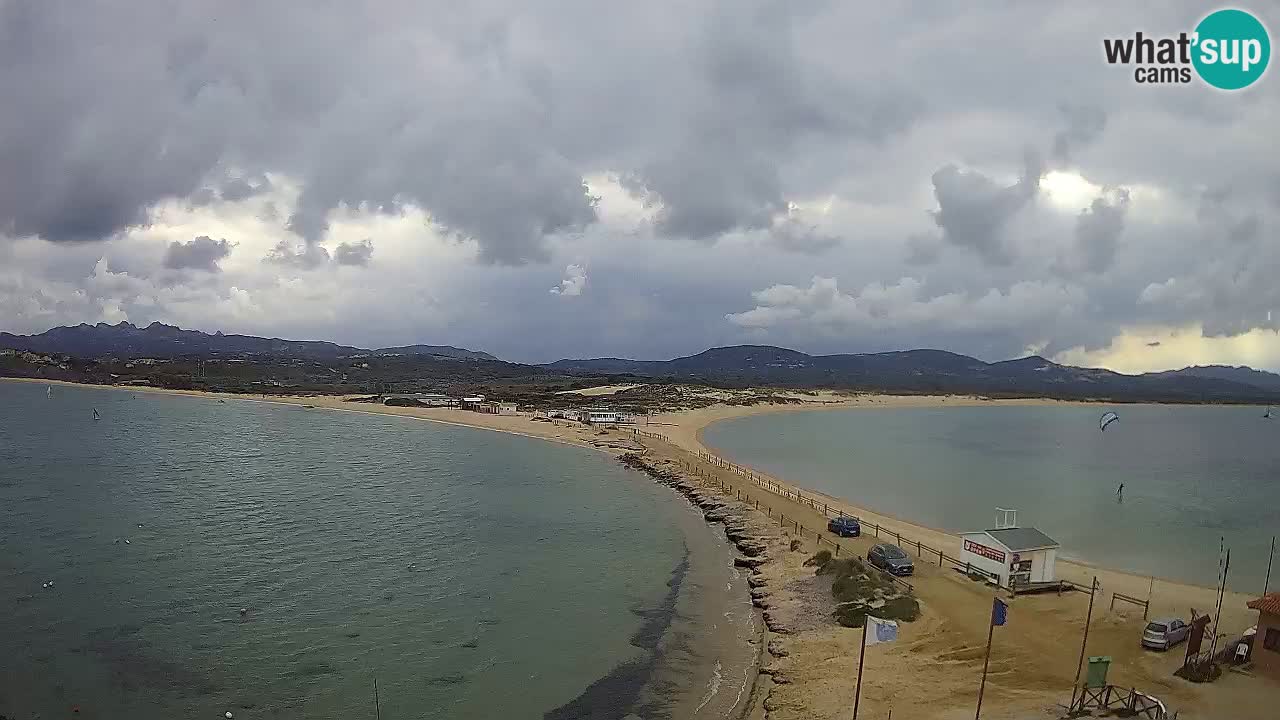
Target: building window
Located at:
point(1272, 640)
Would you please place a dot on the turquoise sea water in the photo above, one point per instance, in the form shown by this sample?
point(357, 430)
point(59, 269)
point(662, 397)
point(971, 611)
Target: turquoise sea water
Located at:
point(473, 574)
point(1194, 477)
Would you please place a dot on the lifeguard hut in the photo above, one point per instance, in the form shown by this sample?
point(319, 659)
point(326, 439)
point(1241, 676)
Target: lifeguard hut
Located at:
point(1010, 554)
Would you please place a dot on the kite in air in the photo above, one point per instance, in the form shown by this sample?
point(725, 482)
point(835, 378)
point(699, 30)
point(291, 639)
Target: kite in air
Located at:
point(1106, 419)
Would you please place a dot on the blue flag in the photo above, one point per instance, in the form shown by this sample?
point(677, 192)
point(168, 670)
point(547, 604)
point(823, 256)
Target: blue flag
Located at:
point(999, 612)
point(881, 631)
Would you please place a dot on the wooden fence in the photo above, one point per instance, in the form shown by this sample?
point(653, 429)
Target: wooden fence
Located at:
point(1146, 604)
point(1111, 699)
point(793, 523)
point(923, 551)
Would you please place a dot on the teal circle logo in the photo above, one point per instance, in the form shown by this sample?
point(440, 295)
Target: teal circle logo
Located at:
point(1232, 49)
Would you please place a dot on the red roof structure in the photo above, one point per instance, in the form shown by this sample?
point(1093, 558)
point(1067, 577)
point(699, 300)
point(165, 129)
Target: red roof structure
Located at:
point(1267, 603)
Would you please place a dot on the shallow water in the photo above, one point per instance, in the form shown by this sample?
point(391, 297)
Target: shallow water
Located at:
point(1194, 477)
point(472, 574)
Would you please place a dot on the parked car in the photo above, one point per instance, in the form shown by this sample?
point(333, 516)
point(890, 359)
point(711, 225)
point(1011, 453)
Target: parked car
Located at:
point(844, 527)
point(1164, 633)
point(891, 558)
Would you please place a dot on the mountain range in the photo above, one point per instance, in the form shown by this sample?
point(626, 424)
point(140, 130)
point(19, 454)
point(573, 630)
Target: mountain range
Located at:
point(920, 371)
point(161, 341)
point(909, 371)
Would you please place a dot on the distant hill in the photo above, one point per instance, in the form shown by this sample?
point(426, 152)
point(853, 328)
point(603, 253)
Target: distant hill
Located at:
point(441, 350)
point(1241, 374)
point(158, 340)
point(921, 371)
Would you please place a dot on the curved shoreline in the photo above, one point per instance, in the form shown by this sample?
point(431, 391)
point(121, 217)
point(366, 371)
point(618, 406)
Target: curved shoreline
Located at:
point(800, 665)
point(638, 677)
point(1166, 593)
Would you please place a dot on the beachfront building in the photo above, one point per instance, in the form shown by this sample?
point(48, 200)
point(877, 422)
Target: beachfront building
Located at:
point(491, 408)
point(427, 399)
point(600, 416)
point(1011, 554)
point(471, 402)
point(1265, 653)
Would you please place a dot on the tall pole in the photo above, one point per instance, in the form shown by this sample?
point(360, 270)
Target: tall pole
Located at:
point(857, 693)
point(981, 688)
point(1213, 647)
point(1267, 585)
point(1093, 589)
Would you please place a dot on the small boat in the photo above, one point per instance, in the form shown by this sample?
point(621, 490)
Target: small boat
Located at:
point(96, 416)
point(48, 391)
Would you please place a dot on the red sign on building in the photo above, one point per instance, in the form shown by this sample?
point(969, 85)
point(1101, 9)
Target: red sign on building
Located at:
point(984, 551)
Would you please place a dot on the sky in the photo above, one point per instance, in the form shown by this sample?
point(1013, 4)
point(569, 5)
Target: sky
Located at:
point(645, 180)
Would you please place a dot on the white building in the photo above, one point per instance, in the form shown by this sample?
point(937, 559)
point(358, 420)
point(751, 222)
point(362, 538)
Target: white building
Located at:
point(598, 416)
point(1024, 555)
point(428, 399)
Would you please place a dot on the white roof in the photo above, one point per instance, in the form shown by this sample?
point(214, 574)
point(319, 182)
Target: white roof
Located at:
point(1019, 539)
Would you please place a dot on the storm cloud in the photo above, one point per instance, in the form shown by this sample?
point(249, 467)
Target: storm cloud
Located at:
point(747, 171)
point(201, 253)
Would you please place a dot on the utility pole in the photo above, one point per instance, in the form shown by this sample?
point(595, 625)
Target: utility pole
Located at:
point(857, 693)
point(1213, 646)
point(1267, 584)
point(1093, 589)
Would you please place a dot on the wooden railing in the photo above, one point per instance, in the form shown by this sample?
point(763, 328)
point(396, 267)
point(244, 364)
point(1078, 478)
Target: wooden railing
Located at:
point(922, 550)
point(1146, 604)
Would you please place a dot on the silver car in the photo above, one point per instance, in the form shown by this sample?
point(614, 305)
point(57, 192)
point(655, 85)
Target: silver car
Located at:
point(1164, 633)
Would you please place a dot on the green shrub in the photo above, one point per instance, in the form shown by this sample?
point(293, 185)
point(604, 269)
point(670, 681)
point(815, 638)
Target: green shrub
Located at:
point(820, 558)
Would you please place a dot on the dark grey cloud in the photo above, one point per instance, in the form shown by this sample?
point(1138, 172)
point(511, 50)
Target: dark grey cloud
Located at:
point(720, 114)
point(357, 253)
point(1084, 124)
point(761, 98)
point(1097, 232)
point(795, 235)
point(201, 253)
point(973, 209)
point(232, 189)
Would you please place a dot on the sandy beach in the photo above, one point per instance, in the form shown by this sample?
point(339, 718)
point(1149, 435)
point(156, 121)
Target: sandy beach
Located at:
point(933, 671)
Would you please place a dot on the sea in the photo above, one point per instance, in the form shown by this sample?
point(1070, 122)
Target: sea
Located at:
point(189, 557)
point(1198, 480)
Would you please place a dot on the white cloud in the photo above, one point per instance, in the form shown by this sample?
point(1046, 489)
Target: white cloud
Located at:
point(574, 282)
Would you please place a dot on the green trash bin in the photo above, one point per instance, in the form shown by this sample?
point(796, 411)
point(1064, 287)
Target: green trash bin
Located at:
point(1097, 676)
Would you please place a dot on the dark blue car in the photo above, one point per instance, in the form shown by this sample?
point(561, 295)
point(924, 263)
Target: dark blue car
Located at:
point(844, 527)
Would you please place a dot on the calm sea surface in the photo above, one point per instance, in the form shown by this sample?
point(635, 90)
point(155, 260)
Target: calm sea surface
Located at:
point(1192, 476)
point(473, 574)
